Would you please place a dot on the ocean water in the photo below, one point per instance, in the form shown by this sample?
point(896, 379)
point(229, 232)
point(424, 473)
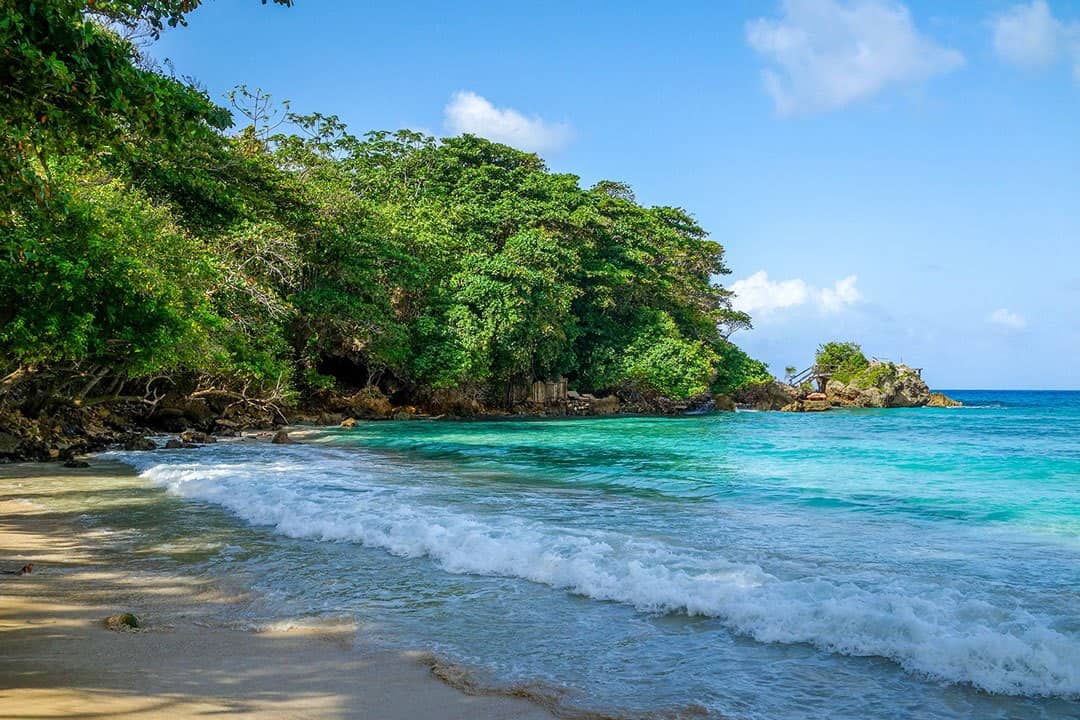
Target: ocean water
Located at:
point(915, 563)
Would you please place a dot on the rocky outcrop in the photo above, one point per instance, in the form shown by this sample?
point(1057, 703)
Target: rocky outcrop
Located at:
point(65, 433)
point(941, 400)
point(880, 385)
point(808, 405)
point(773, 395)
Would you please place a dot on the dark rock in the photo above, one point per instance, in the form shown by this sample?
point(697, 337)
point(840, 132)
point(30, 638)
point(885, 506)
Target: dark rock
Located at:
point(281, 437)
point(773, 395)
point(73, 463)
point(174, 444)
point(197, 436)
point(122, 622)
point(139, 444)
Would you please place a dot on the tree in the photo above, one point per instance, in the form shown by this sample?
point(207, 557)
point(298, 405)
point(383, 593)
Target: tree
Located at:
point(843, 360)
point(69, 83)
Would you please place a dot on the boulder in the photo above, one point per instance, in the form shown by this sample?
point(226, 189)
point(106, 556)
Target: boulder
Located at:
point(941, 400)
point(173, 444)
point(871, 398)
point(841, 394)
point(139, 444)
point(122, 622)
point(807, 406)
point(348, 423)
point(773, 395)
point(281, 437)
point(368, 403)
point(197, 437)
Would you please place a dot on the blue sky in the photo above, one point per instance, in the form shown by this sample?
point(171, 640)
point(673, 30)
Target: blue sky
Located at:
point(903, 174)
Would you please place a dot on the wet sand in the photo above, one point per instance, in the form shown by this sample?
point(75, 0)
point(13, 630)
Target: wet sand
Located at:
point(57, 659)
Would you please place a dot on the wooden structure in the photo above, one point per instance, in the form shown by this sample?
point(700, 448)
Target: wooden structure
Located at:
point(548, 391)
point(814, 374)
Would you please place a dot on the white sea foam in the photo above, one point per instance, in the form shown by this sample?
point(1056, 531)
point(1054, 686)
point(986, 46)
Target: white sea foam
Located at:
point(926, 627)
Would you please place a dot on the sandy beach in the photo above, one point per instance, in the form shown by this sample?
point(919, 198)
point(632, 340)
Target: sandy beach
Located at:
point(57, 659)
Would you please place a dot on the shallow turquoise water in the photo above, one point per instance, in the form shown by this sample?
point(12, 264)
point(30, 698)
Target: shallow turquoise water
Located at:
point(859, 564)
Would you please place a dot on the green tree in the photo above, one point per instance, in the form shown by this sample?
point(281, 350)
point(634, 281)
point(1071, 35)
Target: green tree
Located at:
point(843, 359)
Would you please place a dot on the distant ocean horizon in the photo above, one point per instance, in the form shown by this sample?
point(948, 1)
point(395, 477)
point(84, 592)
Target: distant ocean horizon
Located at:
point(853, 564)
point(1008, 390)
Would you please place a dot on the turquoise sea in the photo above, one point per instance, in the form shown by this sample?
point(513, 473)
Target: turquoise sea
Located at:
point(915, 563)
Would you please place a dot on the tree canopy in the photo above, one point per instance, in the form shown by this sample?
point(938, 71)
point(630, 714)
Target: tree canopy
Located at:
point(844, 360)
point(142, 234)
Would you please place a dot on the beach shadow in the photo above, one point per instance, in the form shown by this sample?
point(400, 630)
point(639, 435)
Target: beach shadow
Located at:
point(57, 659)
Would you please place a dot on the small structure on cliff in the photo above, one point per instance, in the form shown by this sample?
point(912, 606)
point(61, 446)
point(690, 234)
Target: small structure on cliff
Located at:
point(815, 374)
point(849, 381)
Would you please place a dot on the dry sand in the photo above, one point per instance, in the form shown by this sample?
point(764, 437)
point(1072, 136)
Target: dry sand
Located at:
point(57, 660)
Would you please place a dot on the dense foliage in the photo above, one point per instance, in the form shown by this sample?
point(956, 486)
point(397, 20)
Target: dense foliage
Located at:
point(844, 360)
point(139, 240)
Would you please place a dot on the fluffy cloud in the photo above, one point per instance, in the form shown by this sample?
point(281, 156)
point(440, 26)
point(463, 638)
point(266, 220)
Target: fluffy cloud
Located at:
point(825, 54)
point(468, 112)
point(1007, 319)
point(759, 294)
point(1030, 36)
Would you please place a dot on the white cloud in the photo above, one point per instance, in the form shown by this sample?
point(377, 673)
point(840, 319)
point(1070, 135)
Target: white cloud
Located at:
point(1030, 36)
point(468, 112)
point(839, 295)
point(825, 54)
point(759, 294)
point(1007, 319)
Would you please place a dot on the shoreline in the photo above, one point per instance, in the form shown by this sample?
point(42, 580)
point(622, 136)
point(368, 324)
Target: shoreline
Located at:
point(59, 660)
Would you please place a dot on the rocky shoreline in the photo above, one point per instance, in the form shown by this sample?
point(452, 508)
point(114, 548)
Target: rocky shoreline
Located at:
point(72, 429)
point(196, 419)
